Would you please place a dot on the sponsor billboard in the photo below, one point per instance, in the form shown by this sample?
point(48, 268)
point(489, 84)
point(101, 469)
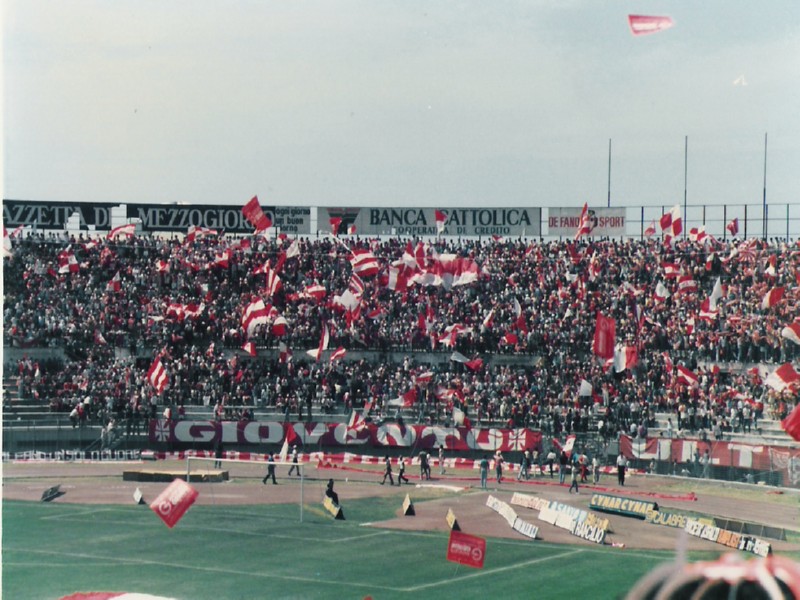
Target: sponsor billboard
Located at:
point(465, 549)
point(472, 222)
point(154, 217)
point(564, 222)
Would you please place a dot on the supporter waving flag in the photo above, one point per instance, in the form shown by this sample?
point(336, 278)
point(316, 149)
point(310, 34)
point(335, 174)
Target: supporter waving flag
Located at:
point(792, 332)
point(256, 313)
point(733, 227)
point(687, 376)
point(335, 222)
point(123, 230)
point(783, 377)
point(250, 348)
point(338, 354)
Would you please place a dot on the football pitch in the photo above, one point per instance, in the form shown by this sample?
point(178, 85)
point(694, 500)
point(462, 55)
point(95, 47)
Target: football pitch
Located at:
point(264, 551)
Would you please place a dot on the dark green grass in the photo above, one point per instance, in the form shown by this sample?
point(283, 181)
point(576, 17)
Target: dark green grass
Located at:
point(250, 552)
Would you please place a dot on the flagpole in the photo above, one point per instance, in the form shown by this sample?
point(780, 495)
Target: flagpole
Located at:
point(685, 181)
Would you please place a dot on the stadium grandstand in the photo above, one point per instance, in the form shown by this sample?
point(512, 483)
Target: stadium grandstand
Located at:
point(110, 339)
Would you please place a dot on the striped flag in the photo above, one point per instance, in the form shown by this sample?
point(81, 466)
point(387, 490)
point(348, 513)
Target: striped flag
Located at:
point(157, 375)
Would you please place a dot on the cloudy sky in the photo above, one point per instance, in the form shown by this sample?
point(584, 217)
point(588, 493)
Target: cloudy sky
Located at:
point(404, 102)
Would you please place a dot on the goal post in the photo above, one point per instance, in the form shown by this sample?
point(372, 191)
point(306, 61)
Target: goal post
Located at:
point(250, 472)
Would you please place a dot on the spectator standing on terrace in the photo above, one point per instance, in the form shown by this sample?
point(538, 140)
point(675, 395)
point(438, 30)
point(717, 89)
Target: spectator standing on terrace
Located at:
point(387, 471)
point(622, 463)
point(484, 466)
point(295, 468)
point(270, 470)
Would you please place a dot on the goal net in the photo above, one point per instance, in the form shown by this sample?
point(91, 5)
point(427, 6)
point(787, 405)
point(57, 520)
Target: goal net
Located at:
point(242, 482)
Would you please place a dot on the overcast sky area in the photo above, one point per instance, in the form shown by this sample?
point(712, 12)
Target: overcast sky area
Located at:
point(408, 103)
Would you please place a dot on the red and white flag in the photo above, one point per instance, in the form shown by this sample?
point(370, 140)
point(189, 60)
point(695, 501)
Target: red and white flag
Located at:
point(123, 230)
point(338, 354)
point(316, 291)
point(7, 251)
point(357, 422)
point(364, 264)
point(284, 354)
point(686, 285)
point(99, 339)
point(772, 297)
point(250, 348)
point(706, 312)
point(324, 339)
point(686, 376)
point(162, 266)
point(67, 263)
point(255, 215)
point(407, 400)
point(604, 336)
point(441, 219)
point(335, 222)
point(646, 24)
point(115, 284)
point(783, 377)
point(625, 357)
point(351, 229)
point(585, 225)
point(733, 226)
point(699, 235)
point(650, 230)
point(792, 332)
point(157, 375)
point(256, 313)
point(671, 222)
point(661, 293)
point(279, 326)
point(293, 249)
point(671, 270)
point(196, 232)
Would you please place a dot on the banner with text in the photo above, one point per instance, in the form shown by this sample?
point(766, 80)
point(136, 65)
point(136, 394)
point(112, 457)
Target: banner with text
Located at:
point(564, 222)
point(472, 222)
point(154, 217)
point(337, 434)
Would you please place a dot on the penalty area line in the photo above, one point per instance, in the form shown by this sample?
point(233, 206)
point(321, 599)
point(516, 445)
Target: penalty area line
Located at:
point(484, 572)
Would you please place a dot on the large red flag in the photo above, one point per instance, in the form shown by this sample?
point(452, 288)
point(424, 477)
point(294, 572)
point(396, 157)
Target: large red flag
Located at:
point(791, 424)
point(604, 336)
point(253, 213)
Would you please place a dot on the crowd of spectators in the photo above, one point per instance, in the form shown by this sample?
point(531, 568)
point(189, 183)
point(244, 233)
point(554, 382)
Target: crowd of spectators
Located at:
point(534, 303)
